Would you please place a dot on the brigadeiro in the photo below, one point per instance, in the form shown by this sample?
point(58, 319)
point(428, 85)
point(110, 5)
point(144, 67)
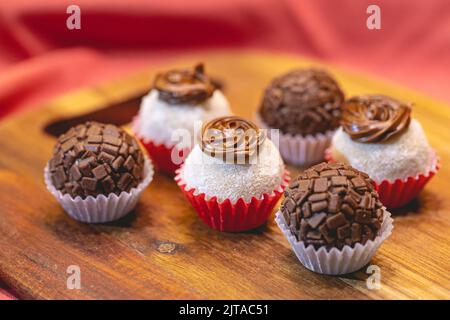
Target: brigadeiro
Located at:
point(178, 99)
point(235, 176)
point(305, 105)
point(379, 137)
point(97, 172)
point(333, 218)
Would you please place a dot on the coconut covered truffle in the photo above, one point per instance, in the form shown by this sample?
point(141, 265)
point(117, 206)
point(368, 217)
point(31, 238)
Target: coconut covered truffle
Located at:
point(179, 98)
point(94, 158)
point(234, 160)
point(379, 137)
point(302, 102)
point(332, 205)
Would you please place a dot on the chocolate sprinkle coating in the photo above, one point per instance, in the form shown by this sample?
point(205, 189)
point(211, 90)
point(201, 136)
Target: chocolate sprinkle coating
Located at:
point(94, 158)
point(306, 101)
point(332, 205)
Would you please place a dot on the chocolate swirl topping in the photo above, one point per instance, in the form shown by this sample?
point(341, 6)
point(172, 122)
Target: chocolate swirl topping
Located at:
point(232, 139)
point(375, 118)
point(184, 86)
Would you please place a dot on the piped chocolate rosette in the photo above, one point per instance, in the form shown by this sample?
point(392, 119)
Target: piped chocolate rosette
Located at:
point(375, 118)
point(184, 86)
point(232, 139)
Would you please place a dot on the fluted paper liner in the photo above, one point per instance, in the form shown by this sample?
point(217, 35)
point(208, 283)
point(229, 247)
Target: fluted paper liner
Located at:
point(335, 262)
point(399, 192)
point(228, 216)
point(298, 149)
point(100, 209)
point(160, 153)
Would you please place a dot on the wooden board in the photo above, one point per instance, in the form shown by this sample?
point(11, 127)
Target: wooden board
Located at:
point(163, 250)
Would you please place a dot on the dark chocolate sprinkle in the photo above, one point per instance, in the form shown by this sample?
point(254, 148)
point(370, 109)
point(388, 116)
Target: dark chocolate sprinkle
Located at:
point(306, 101)
point(332, 205)
point(90, 160)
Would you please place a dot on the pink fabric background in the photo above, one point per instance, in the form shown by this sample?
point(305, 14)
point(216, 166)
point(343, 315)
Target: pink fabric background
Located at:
point(40, 58)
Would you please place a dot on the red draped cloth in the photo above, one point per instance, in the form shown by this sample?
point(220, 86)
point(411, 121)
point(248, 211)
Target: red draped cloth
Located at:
point(40, 58)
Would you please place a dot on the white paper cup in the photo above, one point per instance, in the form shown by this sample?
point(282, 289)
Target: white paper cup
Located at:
point(301, 150)
point(101, 209)
point(335, 261)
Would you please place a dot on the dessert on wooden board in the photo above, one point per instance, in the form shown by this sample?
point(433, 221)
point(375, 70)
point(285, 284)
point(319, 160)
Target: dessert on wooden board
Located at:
point(333, 214)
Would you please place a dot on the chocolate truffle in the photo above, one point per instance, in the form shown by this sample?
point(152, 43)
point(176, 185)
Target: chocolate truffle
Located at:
point(179, 98)
point(332, 205)
point(94, 158)
point(303, 102)
point(234, 160)
point(378, 136)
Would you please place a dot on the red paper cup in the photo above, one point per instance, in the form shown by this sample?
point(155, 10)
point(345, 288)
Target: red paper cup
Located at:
point(328, 155)
point(162, 156)
point(233, 217)
point(397, 193)
point(160, 153)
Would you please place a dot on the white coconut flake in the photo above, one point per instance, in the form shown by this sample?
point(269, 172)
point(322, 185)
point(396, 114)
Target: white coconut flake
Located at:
point(402, 156)
point(158, 120)
point(231, 181)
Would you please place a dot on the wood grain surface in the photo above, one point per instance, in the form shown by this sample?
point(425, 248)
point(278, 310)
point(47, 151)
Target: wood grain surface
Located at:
point(163, 250)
